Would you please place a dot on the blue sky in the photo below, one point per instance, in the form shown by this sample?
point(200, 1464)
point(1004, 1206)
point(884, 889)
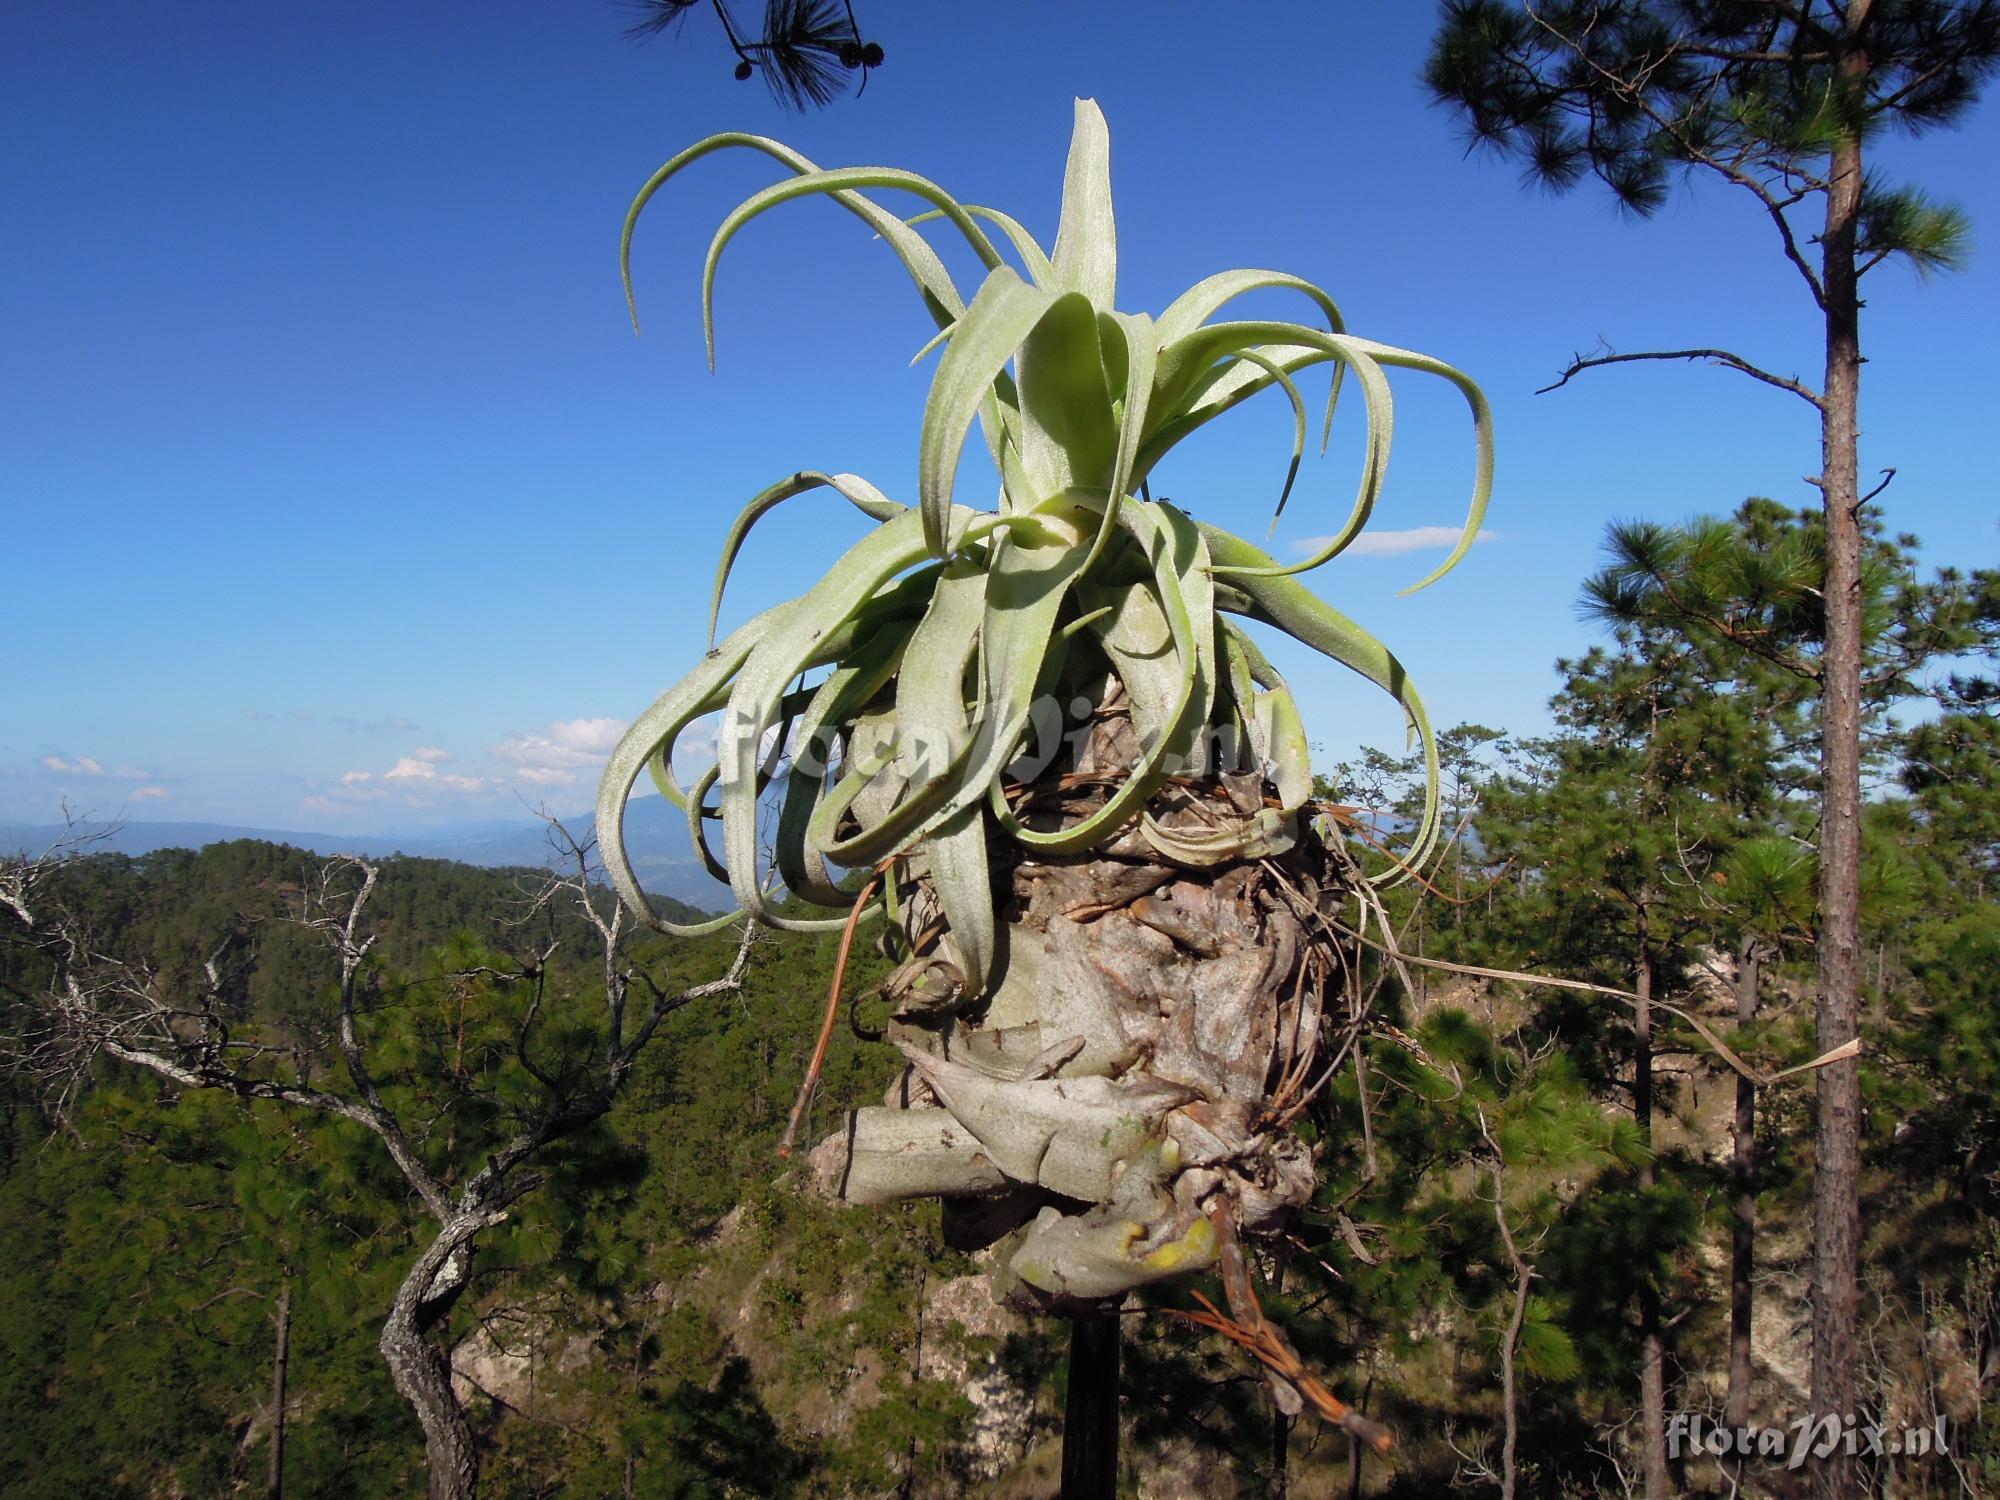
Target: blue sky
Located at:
point(339, 494)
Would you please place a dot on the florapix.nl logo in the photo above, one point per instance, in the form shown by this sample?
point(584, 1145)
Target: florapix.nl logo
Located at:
point(1801, 1440)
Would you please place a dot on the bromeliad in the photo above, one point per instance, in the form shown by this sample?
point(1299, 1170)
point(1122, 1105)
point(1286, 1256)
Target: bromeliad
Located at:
point(1048, 750)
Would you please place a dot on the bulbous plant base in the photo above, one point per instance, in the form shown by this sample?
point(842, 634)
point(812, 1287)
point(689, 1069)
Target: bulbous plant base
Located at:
point(1152, 1028)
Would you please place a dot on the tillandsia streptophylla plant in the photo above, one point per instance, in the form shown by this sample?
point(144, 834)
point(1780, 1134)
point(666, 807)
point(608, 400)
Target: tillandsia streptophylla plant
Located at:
point(1039, 743)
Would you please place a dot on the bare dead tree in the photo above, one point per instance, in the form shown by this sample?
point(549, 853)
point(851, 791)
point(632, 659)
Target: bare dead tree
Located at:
point(93, 1004)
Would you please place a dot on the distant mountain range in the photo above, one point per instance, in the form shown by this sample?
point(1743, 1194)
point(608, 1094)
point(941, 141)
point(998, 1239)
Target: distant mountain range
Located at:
point(656, 840)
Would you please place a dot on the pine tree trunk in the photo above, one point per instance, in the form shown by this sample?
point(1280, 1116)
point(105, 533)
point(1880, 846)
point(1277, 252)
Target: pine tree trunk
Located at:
point(1743, 1223)
point(1836, 1181)
point(1652, 1349)
point(281, 1318)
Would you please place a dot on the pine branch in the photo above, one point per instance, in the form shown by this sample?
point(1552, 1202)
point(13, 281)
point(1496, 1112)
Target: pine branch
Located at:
point(1635, 92)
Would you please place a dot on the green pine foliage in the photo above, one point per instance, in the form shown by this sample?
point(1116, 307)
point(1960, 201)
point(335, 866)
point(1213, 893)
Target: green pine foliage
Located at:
point(673, 1313)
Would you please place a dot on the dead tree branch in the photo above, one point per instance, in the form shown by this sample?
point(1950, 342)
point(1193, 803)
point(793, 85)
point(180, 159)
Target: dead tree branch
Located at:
point(1581, 362)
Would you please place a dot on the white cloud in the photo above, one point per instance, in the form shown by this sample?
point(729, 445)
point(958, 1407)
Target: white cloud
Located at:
point(413, 781)
point(546, 775)
point(149, 794)
point(595, 736)
point(1392, 543)
point(561, 751)
point(84, 765)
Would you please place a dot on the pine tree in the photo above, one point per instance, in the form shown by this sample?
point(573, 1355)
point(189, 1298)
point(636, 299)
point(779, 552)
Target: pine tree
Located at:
point(1781, 100)
point(1653, 779)
point(1737, 600)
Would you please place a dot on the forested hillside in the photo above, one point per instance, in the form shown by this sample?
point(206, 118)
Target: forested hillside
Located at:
point(1524, 1191)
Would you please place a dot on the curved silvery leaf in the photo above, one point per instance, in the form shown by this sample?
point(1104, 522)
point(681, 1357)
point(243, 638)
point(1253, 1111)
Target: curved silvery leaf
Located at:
point(701, 691)
point(945, 631)
point(1138, 641)
point(926, 270)
point(1277, 373)
point(875, 660)
point(865, 498)
point(940, 294)
point(931, 712)
point(1135, 343)
point(1284, 602)
point(1069, 435)
point(835, 183)
point(786, 649)
point(1034, 259)
point(1185, 365)
point(1482, 483)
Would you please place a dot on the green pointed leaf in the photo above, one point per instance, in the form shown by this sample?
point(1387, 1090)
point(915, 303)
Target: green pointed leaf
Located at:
point(1277, 373)
point(1283, 734)
point(1068, 437)
point(1086, 253)
point(936, 733)
point(992, 329)
point(1139, 643)
point(1138, 342)
point(1206, 298)
point(849, 688)
point(1185, 365)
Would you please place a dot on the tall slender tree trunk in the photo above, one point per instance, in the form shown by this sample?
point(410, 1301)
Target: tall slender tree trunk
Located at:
point(1281, 1452)
point(1652, 1348)
point(281, 1319)
point(1090, 1413)
point(1743, 1213)
point(1355, 1447)
point(1837, 1175)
